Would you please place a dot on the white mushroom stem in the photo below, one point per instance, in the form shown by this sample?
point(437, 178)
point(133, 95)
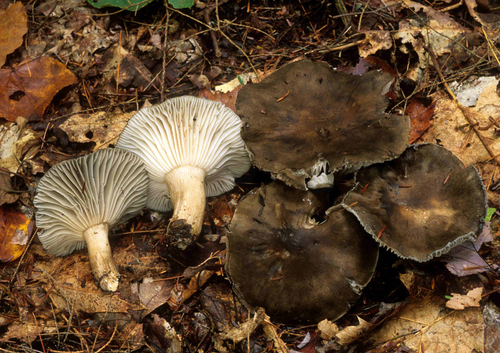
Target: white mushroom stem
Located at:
point(186, 186)
point(101, 258)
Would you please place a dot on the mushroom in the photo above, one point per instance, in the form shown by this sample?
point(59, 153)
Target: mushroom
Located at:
point(192, 148)
point(79, 200)
point(421, 204)
point(305, 115)
point(280, 258)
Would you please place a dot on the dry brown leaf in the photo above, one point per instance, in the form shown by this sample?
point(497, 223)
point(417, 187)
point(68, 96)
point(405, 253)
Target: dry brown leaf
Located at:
point(102, 128)
point(15, 230)
point(220, 209)
point(373, 42)
point(440, 33)
point(13, 138)
point(238, 334)
point(226, 341)
point(460, 302)
point(420, 116)
point(424, 325)
point(13, 26)
point(29, 89)
point(351, 333)
point(228, 98)
point(451, 130)
point(328, 329)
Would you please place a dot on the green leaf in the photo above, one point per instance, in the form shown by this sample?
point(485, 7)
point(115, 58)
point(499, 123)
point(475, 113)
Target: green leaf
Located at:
point(181, 4)
point(489, 213)
point(448, 297)
point(241, 80)
point(130, 5)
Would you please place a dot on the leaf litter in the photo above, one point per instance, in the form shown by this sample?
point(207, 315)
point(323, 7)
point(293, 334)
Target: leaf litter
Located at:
point(82, 73)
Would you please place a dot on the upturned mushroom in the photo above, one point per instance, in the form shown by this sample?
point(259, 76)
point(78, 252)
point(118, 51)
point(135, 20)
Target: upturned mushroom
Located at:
point(79, 200)
point(192, 148)
point(421, 204)
point(305, 121)
point(281, 259)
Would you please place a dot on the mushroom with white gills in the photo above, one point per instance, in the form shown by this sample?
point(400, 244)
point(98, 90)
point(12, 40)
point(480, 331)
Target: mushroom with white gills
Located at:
point(298, 270)
point(305, 121)
point(79, 200)
point(192, 148)
point(421, 204)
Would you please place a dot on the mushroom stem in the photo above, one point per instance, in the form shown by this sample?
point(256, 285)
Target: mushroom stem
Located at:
point(101, 258)
point(186, 185)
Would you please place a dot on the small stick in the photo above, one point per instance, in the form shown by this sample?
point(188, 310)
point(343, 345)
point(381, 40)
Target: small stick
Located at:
point(381, 232)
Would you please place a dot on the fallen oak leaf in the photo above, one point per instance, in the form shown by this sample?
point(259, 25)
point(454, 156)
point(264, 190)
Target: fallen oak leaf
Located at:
point(460, 302)
point(13, 26)
point(27, 90)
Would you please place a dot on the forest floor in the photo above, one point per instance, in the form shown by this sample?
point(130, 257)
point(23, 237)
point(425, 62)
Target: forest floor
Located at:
point(72, 75)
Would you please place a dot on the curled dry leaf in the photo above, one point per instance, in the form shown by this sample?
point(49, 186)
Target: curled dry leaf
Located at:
point(13, 26)
point(29, 89)
point(15, 230)
point(460, 302)
point(351, 333)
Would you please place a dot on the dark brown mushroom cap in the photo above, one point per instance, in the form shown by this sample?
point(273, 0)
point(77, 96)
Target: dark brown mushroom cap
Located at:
point(421, 204)
point(280, 259)
point(305, 112)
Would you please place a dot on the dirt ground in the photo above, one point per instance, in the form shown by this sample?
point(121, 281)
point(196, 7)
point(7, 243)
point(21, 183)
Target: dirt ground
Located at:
point(72, 75)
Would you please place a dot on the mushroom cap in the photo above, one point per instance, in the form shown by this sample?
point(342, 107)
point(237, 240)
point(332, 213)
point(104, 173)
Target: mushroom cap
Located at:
point(279, 258)
point(187, 131)
point(306, 112)
point(107, 186)
point(421, 204)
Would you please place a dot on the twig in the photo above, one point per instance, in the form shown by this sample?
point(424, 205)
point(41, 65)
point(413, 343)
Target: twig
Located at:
point(119, 60)
point(206, 14)
point(165, 51)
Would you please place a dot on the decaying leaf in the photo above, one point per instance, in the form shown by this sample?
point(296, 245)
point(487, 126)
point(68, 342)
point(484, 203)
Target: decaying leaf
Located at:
point(166, 335)
point(5, 186)
point(15, 230)
point(228, 98)
point(226, 341)
point(460, 302)
point(491, 314)
point(124, 66)
point(438, 32)
point(13, 138)
point(328, 329)
point(351, 333)
point(373, 42)
point(228, 92)
point(420, 116)
point(464, 260)
point(102, 128)
point(452, 130)
point(13, 26)
point(222, 306)
point(422, 325)
point(221, 209)
point(29, 89)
